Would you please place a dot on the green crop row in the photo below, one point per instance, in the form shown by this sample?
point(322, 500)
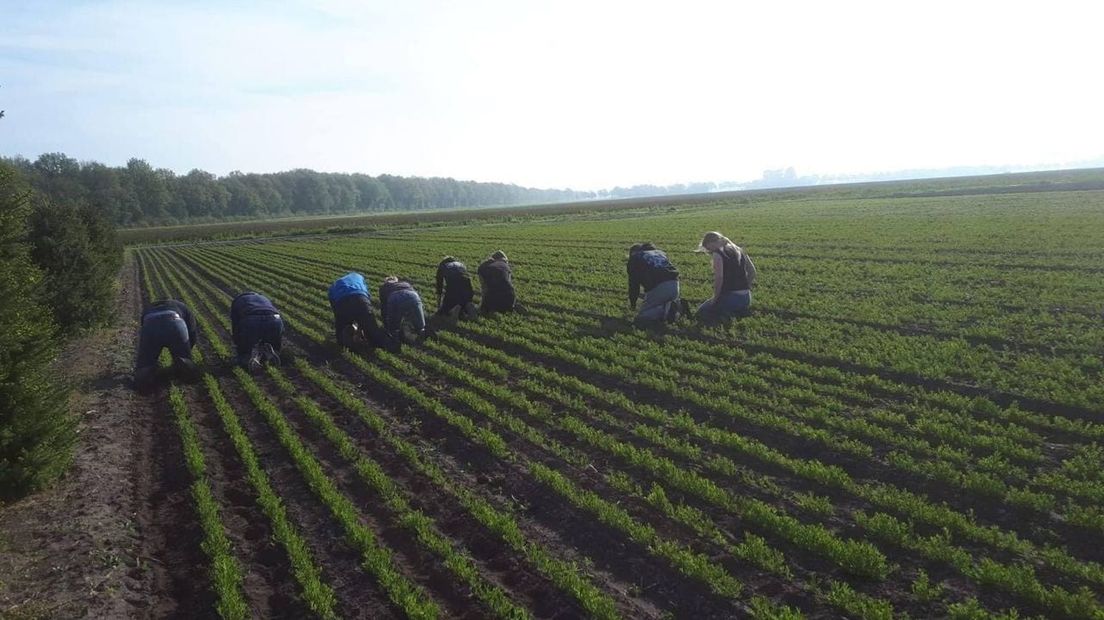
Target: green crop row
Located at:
point(318, 596)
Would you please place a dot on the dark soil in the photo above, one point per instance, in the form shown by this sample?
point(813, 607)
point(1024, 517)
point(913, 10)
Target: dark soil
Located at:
point(116, 536)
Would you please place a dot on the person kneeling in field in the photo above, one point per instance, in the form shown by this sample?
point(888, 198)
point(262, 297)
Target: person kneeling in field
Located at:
point(402, 310)
point(257, 330)
point(454, 281)
point(165, 324)
point(733, 277)
point(651, 270)
point(497, 282)
point(355, 324)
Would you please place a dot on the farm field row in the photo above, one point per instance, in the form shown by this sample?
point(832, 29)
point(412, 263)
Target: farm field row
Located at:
point(914, 429)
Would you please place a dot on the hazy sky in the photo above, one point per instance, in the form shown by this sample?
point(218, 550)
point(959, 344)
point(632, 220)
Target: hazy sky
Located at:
point(586, 94)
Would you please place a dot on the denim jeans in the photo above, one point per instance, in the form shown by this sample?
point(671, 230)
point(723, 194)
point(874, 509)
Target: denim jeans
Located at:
point(404, 306)
point(732, 303)
point(162, 330)
point(253, 330)
point(657, 302)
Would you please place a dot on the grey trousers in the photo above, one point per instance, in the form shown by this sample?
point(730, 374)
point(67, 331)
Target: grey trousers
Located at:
point(657, 302)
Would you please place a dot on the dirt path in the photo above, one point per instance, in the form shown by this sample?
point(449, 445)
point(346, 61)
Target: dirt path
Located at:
point(98, 543)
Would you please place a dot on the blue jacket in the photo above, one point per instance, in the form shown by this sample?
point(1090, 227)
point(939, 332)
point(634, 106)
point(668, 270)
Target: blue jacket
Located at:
point(348, 285)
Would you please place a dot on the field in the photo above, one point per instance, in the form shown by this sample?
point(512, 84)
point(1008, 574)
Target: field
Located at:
point(909, 423)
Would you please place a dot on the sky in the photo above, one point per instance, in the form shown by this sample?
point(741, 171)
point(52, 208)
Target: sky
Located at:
point(585, 94)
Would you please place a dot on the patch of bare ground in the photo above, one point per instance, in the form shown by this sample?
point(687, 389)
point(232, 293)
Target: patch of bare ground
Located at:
point(116, 536)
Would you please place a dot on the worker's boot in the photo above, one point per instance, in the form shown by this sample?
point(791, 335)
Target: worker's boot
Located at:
point(186, 370)
point(253, 364)
point(145, 378)
point(672, 312)
point(268, 354)
point(686, 312)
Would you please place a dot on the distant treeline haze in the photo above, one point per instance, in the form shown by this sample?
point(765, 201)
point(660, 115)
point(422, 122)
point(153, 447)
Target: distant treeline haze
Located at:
point(139, 194)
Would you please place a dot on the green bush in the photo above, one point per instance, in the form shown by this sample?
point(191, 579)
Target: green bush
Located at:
point(79, 254)
point(36, 431)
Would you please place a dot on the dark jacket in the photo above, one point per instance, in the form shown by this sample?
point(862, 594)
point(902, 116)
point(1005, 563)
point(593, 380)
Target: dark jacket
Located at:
point(497, 277)
point(452, 272)
point(647, 269)
point(249, 304)
point(179, 308)
point(739, 272)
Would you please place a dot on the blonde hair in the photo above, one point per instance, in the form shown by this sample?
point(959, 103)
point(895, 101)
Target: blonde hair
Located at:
point(727, 247)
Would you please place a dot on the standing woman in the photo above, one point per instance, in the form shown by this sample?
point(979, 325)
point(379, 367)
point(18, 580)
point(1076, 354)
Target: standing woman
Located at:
point(733, 277)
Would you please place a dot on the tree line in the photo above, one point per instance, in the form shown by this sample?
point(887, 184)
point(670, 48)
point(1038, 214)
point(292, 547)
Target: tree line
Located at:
point(58, 263)
point(138, 194)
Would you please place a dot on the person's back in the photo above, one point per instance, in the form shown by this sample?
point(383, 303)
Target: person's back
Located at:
point(348, 285)
point(648, 268)
point(402, 310)
point(168, 307)
point(453, 280)
point(392, 286)
point(250, 303)
point(496, 274)
point(451, 272)
point(733, 276)
point(257, 329)
point(354, 321)
point(166, 324)
point(496, 277)
point(735, 271)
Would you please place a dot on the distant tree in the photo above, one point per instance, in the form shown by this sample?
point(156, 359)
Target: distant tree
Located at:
point(150, 188)
point(139, 194)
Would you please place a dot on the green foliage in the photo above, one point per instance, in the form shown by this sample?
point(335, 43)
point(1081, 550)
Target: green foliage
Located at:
point(861, 425)
point(924, 590)
point(139, 194)
point(77, 250)
point(36, 430)
point(226, 575)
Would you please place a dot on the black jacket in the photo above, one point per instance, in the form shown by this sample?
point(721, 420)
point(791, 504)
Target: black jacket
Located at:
point(249, 304)
point(647, 269)
point(497, 276)
point(451, 271)
point(179, 308)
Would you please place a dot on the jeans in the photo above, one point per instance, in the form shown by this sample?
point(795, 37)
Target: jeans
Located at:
point(732, 303)
point(253, 330)
point(658, 301)
point(404, 305)
point(161, 330)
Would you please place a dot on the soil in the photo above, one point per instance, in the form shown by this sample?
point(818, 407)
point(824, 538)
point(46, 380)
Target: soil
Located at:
point(115, 537)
